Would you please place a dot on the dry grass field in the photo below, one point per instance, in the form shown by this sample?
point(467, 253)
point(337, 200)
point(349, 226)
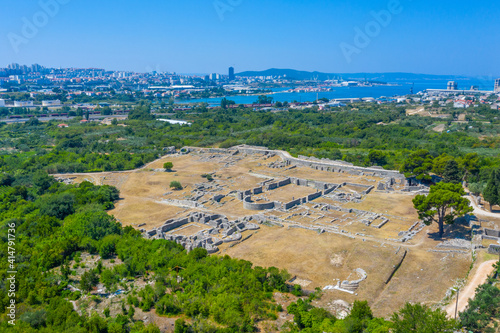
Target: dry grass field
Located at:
point(315, 259)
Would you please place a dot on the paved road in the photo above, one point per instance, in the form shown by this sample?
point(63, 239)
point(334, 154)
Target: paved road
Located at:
point(480, 277)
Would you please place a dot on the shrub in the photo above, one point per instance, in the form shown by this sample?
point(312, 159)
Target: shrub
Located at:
point(176, 185)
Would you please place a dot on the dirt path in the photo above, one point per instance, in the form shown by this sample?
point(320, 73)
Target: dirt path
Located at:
point(479, 211)
point(480, 277)
point(439, 128)
point(415, 111)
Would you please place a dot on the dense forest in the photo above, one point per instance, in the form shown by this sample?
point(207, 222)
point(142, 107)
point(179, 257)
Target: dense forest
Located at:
point(56, 224)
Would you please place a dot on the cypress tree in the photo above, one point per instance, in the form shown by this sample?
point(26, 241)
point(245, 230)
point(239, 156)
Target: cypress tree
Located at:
point(491, 193)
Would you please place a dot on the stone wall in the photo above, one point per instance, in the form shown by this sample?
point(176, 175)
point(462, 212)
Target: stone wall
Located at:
point(330, 190)
point(272, 186)
point(491, 232)
point(494, 249)
point(292, 204)
point(285, 182)
point(218, 198)
point(171, 225)
point(251, 205)
point(323, 164)
point(313, 196)
point(490, 238)
point(317, 164)
point(396, 267)
point(209, 238)
point(368, 188)
point(257, 190)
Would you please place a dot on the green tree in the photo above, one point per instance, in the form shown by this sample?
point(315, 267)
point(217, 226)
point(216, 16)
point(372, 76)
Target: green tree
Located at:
point(168, 166)
point(33, 122)
point(439, 164)
point(470, 164)
point(58, 205)
point(180, 326)
point(131, 312)
point(443, 204)
point(92, 224)
point(96, 324)
point(419, 318)
point(107, 246)
point(452, 173)
point(115, 327)
point(361, 310)
point(141, 112)
point(476, 188)
point(6, 179)
point(106, 111)
point(377, 157)
point(175, 185)
point(151, 328)
point(263, 99)
point(36, 319)
point(226, 102)
point(418, 165)
point(491, 192)
point(65, 270)
point(89, 280)
point(483, 309)
point(108, 278)
point(42, 181)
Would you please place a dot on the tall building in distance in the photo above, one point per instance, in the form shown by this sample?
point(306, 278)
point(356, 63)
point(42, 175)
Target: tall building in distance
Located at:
point(497, 85)
point(452, 85)
point(231, 74)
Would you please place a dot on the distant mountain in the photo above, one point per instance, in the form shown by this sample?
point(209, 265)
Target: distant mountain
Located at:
point(384, 77)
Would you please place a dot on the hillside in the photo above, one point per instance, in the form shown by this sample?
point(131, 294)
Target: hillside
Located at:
point(387, 77)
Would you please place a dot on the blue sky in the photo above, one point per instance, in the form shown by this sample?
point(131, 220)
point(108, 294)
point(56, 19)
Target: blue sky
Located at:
point(203, 36)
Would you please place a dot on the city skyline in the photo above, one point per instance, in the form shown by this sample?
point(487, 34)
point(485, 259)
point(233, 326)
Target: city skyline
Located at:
point(231, 73)
point(332, 37)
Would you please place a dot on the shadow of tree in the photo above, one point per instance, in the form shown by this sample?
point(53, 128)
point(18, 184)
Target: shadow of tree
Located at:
point(460, 229)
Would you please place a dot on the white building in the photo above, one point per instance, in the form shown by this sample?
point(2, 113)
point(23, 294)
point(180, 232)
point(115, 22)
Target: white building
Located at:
point(2, 103)
point(497, 86)
point(18, 104)
point(462, 104)
point(452, 85)
point(350, 84)
point(51, 103)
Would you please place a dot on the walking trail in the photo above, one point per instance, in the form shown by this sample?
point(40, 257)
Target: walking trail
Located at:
point(480, 277)
point(480, 211)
